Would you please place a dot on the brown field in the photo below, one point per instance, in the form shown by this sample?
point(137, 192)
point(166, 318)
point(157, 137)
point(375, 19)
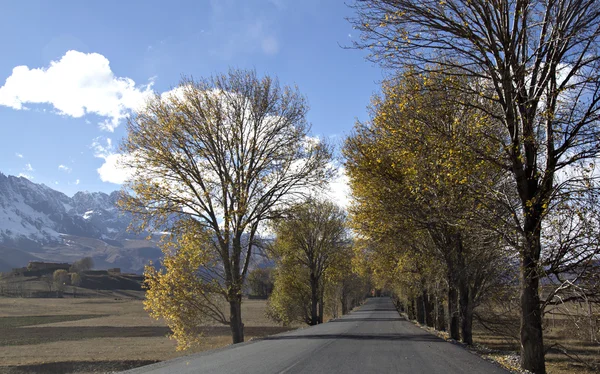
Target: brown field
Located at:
point(90, 335)
point(568, 338)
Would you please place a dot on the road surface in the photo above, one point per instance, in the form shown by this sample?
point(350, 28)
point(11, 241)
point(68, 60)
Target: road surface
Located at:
point(372, 339)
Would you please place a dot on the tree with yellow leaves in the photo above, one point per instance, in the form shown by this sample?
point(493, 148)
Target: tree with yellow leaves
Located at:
point(188, 290)
point(418, 192)
point(221, 156)
point(60, 278)
point(310, 243)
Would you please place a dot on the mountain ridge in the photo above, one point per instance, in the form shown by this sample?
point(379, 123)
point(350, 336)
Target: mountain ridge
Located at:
point(38, 221)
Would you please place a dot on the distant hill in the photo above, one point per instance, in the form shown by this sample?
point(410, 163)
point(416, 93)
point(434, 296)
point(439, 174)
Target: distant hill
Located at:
point(12, 258)
point(37, 222)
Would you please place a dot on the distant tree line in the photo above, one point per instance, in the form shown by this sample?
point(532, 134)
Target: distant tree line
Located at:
point(53, 275)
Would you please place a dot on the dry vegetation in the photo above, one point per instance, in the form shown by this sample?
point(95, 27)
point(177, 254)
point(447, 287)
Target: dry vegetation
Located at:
point(568, 338)
point(99, 335)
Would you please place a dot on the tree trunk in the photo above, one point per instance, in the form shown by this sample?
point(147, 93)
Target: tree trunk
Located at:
point(349, 298)
point(420, 310)
point(453, 316)
point(440, 315)
point(237, 327)
point(234, 282)
point(466, 314)
point(465, 302)
point(428, 307)
point(344, 300)
point(321, 305)
point(532, 343)
point(314, 300)
point(411, 309)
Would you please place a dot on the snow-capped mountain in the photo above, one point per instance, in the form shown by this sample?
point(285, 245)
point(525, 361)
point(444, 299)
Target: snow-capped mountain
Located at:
point(50, 225)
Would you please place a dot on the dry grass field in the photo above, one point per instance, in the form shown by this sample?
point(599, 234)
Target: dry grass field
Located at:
point(90, 335)
point(583, 356)
point(570, 347)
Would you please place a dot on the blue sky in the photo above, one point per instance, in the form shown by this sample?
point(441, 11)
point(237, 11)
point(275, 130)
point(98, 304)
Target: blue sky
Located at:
point(71, 71)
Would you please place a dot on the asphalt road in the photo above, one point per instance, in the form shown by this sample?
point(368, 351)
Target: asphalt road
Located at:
point(372, 339)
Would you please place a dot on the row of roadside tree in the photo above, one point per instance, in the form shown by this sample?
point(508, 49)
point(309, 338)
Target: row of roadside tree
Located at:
point(477, 171)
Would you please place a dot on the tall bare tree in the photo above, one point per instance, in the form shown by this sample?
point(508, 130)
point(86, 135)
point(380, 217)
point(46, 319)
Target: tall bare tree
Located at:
point(225, 153)
point(538, 64)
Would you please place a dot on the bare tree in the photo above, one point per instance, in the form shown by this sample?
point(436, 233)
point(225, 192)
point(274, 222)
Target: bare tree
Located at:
point(538, 64)
point(227, 153)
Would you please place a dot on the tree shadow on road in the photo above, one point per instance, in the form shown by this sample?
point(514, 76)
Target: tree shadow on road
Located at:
point(350, 319)
point(366, 310)
point(383, 337)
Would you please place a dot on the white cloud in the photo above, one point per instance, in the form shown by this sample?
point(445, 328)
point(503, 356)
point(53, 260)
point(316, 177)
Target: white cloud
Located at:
point(77, 181)
point(64, 168)
point(177, 93)
point(78, 84)
point(23, 175)
point(102, 150)
point(28, 167)
point(19, 155)
point(339, 189)
point(111, 170)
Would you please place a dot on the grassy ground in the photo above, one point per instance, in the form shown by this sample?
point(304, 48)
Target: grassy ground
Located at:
point(99, 335)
